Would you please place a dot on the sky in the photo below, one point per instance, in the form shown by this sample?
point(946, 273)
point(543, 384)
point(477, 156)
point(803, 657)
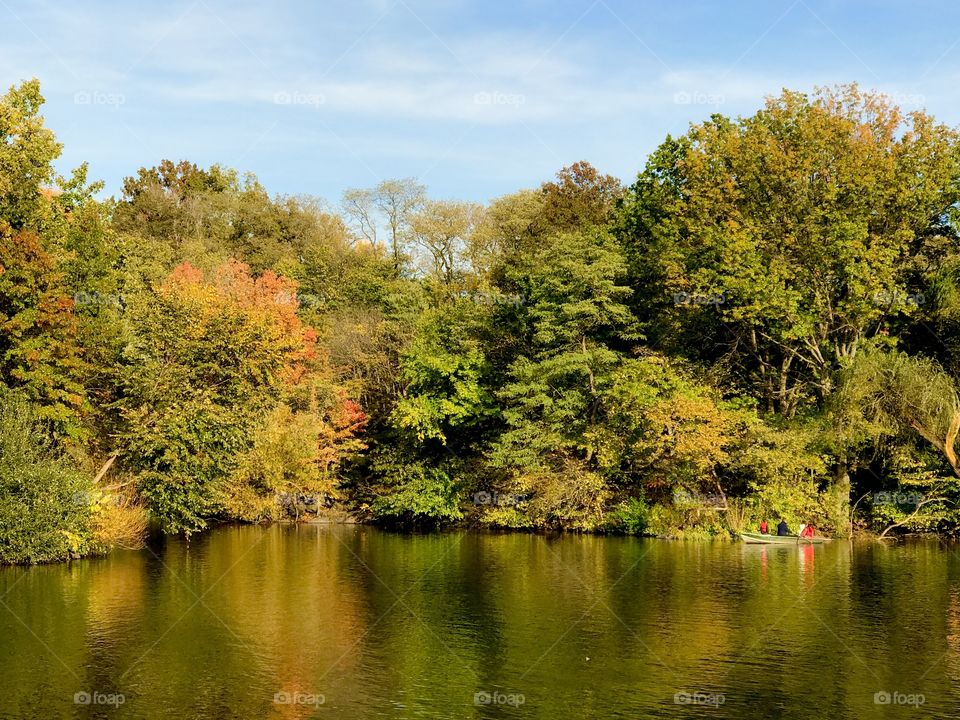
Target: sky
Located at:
point(475, 98)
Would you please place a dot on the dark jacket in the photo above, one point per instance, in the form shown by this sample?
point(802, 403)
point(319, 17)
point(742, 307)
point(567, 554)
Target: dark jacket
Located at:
point(782, 528)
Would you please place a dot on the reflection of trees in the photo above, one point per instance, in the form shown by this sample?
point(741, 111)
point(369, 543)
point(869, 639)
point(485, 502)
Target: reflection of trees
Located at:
point(295, 603)
point(952, 660)
point(579, 625)
point(278, 610)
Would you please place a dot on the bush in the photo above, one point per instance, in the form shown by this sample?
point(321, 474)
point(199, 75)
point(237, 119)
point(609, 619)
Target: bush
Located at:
point(44, 499)
point(795, 502)
point(566, 496)
point(292, 462)
point(631, 517)
point(688, 522)
point(414, 492)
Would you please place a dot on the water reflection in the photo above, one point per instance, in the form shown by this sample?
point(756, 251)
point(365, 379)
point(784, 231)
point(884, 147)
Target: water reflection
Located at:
point(355, 623)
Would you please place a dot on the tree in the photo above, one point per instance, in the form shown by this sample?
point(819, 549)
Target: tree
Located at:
point(664, 431)
point(390, 205)
point(441, 419)
point(39, 350)
point(509, 226)
point(580, 197)
point(800, 226)
point(894, 392)
point(575, 327)
point(211, 357)
point(27, 151)
point(39, 353)
point(443, 371)
point(359, 206)
point(442, 228)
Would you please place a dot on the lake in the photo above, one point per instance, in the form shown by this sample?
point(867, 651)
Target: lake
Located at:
point(354, 622)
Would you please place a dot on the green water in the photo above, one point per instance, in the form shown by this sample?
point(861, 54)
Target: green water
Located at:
point(351, 622)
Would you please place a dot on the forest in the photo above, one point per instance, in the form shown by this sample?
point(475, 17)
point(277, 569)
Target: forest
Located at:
point(761, 325)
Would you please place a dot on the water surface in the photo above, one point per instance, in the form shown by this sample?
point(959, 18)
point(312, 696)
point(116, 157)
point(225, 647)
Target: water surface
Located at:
point(352, 622)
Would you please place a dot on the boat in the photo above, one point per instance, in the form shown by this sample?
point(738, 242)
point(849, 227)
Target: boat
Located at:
point(761, 539)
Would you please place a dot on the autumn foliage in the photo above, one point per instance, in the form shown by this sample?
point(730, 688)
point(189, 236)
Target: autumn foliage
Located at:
point(230, 407)
point(39, 354)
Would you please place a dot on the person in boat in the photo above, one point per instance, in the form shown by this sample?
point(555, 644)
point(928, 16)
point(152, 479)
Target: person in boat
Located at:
point(763, 527)
point(801, 530)
point(807, 532)
point(782, 528)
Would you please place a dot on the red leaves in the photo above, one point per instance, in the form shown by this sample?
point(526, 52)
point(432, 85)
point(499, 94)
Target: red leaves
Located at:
point(38, 326)
point(350, 416)
point(185, 274)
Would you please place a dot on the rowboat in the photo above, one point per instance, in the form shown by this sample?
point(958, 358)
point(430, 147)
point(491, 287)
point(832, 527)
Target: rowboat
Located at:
point(760, 539)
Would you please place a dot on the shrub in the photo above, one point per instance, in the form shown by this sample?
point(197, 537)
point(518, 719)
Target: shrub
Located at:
point(44, 508)
point(415, 492)
point(565, 496)
point(293, 461)
point(630, 517)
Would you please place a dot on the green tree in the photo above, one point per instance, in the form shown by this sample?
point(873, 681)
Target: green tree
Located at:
point(574, 330)
point(804, 224)
point(441, 419)
point(27, 151)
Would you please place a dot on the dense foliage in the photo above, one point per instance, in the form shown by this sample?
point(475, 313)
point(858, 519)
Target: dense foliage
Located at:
point(761, 326)
point(44, 500)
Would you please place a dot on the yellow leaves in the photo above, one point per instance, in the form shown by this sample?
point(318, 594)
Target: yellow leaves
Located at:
point(261, 310)
point(693, 428)
point(74, 541)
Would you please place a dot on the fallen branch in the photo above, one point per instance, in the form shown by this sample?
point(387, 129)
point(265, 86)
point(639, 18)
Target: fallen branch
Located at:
point(910, 517)
point(105, 468)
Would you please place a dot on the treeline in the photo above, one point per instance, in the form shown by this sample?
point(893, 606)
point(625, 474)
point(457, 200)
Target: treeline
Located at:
point(761, 326)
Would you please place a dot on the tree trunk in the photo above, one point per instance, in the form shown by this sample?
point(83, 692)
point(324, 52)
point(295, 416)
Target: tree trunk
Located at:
point(841, 486)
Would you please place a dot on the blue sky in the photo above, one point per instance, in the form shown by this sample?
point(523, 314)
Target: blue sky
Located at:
point(477, 99)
